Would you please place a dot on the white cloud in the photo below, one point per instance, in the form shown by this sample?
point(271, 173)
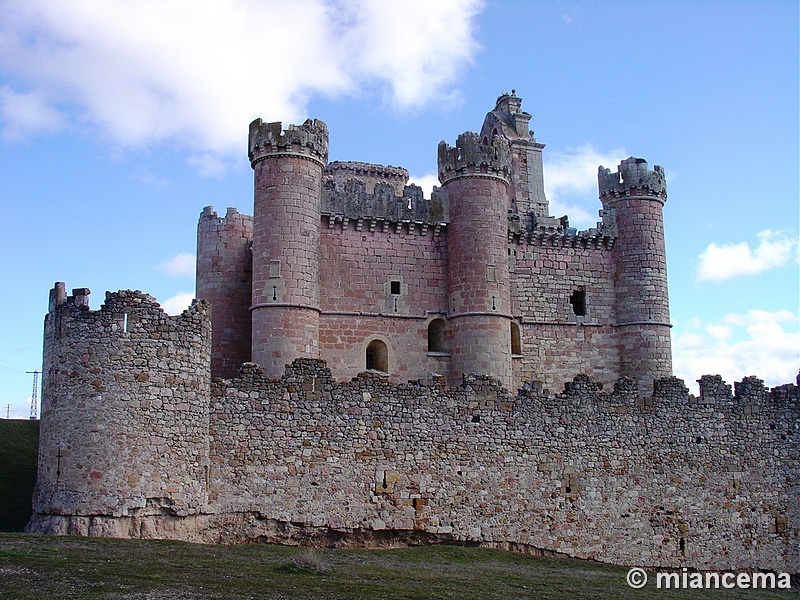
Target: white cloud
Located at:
point(27, 114)
point(426, 182)
point(178, 303)
point(570, 182)
point(181, 265)
point(761, 343)
point(197, 72)
point(718, 263)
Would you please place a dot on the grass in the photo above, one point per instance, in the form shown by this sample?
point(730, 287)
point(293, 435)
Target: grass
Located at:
point(19, 442)
point(34, 567)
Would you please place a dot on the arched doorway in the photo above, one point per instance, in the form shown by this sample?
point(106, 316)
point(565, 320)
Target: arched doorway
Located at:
point(377, 356)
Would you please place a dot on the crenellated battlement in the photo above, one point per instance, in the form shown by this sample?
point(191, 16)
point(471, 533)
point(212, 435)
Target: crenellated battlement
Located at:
point(232, 219)
point(309, 140)
point(632, 179)
point(130, 312)
point(379, 204)
point(474, 156)
point(371, 174)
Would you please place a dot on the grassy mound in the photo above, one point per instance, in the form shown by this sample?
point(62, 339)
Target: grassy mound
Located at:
point(19, 443)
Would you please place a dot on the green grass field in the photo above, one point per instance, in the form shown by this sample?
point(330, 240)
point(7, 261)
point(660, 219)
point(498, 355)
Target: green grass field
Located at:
point(19, 442)
point(36, 567)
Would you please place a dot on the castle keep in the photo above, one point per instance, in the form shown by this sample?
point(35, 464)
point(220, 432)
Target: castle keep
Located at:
point(346, 262)
point(365, 365)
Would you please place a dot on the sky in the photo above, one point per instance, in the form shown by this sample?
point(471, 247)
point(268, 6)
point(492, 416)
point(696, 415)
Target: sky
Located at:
point(120, 121)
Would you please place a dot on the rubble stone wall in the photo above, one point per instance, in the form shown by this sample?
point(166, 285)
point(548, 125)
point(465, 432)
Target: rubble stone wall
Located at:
point(125, 408)
point(137, 442)
point(671, 481)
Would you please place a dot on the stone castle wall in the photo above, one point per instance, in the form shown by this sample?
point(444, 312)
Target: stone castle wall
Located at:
point(667, 481)
point(350, 264)
point(552, 284)
point(381, 284)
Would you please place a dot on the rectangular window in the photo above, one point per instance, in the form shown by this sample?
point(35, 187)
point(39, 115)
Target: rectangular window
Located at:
point(578, 302)
point(394, 287)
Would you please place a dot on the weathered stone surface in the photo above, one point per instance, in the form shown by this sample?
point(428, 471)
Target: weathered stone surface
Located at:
point(307, 460)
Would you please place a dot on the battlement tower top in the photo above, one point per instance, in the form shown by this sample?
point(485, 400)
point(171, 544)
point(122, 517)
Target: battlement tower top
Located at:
point(475, 156)
point(309, 140)
point(633, 179)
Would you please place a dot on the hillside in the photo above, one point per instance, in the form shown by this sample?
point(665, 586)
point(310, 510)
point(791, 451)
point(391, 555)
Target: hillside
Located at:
point(19, 443)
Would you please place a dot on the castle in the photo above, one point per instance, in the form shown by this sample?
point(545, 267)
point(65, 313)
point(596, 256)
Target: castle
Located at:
point(275, 407)
point(346, 262)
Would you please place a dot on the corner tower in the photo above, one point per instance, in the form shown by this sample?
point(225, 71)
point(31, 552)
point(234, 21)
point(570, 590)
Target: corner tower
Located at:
point(288, 168)
point(635, 197)
point(225, 278)
point(475, 175)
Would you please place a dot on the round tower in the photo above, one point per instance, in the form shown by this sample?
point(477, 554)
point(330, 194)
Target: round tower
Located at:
point(475, 175)
point(288, 168)
point(123, 445)
point(224, 278)
point(635, 196)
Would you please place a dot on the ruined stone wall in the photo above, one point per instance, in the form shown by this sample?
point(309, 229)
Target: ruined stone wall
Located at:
point(671, 481)
point(135, 443)
point(124, 422)
point(554, 281)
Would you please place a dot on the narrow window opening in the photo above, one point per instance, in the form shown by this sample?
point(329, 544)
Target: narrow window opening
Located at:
point(394, 287)
point(578, 302)
point(377, 356)
point(125, 323)
point(516, 339)
point(682, 547)
point(436, 335)
point(476, 418)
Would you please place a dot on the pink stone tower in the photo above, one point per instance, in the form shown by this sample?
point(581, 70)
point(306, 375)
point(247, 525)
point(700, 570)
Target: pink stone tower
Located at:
point(224, 278)
point(475, 175)
point(636, 197)
point(288, 168)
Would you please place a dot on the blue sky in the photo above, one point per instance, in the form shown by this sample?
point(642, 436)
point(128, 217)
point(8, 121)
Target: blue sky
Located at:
point(120, 121)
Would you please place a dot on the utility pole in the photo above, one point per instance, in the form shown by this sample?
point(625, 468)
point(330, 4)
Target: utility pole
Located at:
point(8, 411)
point(34, 396)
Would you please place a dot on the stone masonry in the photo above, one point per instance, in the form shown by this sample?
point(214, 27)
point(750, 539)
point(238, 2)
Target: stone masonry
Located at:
point(347, 262)
point(538, 411)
